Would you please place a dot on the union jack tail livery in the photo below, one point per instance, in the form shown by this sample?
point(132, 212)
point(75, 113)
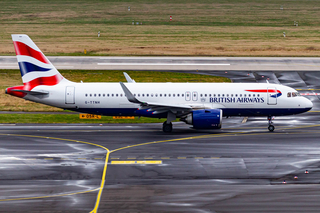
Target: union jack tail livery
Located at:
point(35, 68)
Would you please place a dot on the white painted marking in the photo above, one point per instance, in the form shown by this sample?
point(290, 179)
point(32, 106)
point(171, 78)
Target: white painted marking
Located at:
point(13, 66)
point(58, 66)
point(161, 64)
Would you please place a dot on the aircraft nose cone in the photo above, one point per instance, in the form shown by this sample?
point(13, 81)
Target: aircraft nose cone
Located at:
point(308, 104)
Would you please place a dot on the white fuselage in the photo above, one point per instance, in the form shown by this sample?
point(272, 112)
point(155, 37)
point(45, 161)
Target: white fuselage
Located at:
point(234, 99)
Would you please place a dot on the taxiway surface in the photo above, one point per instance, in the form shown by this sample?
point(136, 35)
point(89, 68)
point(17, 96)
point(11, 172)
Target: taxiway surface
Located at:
point(240, 168)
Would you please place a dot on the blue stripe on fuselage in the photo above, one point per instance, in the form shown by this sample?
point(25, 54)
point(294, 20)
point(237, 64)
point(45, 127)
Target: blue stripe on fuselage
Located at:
point(226, 112)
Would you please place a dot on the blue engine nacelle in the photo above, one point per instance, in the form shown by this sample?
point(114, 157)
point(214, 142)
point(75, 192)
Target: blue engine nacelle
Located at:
point(205, 119)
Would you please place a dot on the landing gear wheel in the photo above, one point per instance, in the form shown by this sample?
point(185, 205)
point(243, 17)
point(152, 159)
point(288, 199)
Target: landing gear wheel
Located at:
point(167, 127)
point(271, 128)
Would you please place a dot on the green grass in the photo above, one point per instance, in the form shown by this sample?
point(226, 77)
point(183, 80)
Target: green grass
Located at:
point(62, 118)
point(185, 13)
point(198, 28)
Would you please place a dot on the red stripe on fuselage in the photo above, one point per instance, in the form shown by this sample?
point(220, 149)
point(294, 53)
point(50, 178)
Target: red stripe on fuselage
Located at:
point(23, 49)
point(264, 90)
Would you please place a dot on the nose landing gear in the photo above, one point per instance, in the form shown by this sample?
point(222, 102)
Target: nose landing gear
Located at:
point(270, 127)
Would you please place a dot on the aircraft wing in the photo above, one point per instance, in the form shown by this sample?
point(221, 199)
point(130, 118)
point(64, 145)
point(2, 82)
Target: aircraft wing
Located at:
point(156, 107)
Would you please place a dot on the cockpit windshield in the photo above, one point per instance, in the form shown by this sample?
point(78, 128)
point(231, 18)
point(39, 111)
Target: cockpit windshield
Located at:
point(293, 94)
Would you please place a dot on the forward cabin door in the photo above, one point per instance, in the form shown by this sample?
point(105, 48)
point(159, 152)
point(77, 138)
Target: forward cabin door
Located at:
point(70, 95)
point(272, 96)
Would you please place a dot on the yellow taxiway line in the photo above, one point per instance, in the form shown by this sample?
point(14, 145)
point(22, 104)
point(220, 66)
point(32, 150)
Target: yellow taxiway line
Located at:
point(95, 209)
point(49, 196)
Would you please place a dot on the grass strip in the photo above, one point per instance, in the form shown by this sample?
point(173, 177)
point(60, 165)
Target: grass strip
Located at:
point(58, 118)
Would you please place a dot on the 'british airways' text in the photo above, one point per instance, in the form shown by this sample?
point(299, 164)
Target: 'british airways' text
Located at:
point(236, 100)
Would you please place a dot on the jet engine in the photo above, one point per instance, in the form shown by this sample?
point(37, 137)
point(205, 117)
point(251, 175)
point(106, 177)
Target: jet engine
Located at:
point(204, 119)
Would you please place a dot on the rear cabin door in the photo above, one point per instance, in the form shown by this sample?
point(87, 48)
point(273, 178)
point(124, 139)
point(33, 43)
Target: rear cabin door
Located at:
point(272, 96)
point(70, 95)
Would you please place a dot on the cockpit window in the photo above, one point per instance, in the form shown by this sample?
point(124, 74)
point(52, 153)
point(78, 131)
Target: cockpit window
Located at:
point(293, 94)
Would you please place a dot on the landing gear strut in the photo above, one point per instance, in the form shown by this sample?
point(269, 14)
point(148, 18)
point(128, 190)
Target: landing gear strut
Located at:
point(167, 125)
point(270, 127)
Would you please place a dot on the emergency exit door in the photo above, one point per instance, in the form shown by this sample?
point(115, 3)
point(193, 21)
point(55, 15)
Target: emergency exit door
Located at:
point(70, 95)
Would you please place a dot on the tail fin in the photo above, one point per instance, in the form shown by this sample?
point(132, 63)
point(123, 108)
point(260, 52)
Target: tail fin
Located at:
point(34, 66)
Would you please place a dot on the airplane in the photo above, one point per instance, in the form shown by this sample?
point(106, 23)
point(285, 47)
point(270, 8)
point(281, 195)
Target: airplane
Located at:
point(199, 104)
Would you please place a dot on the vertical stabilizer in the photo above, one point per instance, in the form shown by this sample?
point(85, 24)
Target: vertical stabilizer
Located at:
point(35, 68)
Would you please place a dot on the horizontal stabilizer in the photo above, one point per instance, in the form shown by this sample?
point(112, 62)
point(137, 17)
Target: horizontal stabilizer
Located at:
point(31, 92)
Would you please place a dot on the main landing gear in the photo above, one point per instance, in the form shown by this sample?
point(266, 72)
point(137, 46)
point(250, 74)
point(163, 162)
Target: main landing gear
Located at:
point(167, 125)
point(270, 127)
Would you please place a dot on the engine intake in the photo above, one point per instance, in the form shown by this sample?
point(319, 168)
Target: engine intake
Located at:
point(205, 119)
